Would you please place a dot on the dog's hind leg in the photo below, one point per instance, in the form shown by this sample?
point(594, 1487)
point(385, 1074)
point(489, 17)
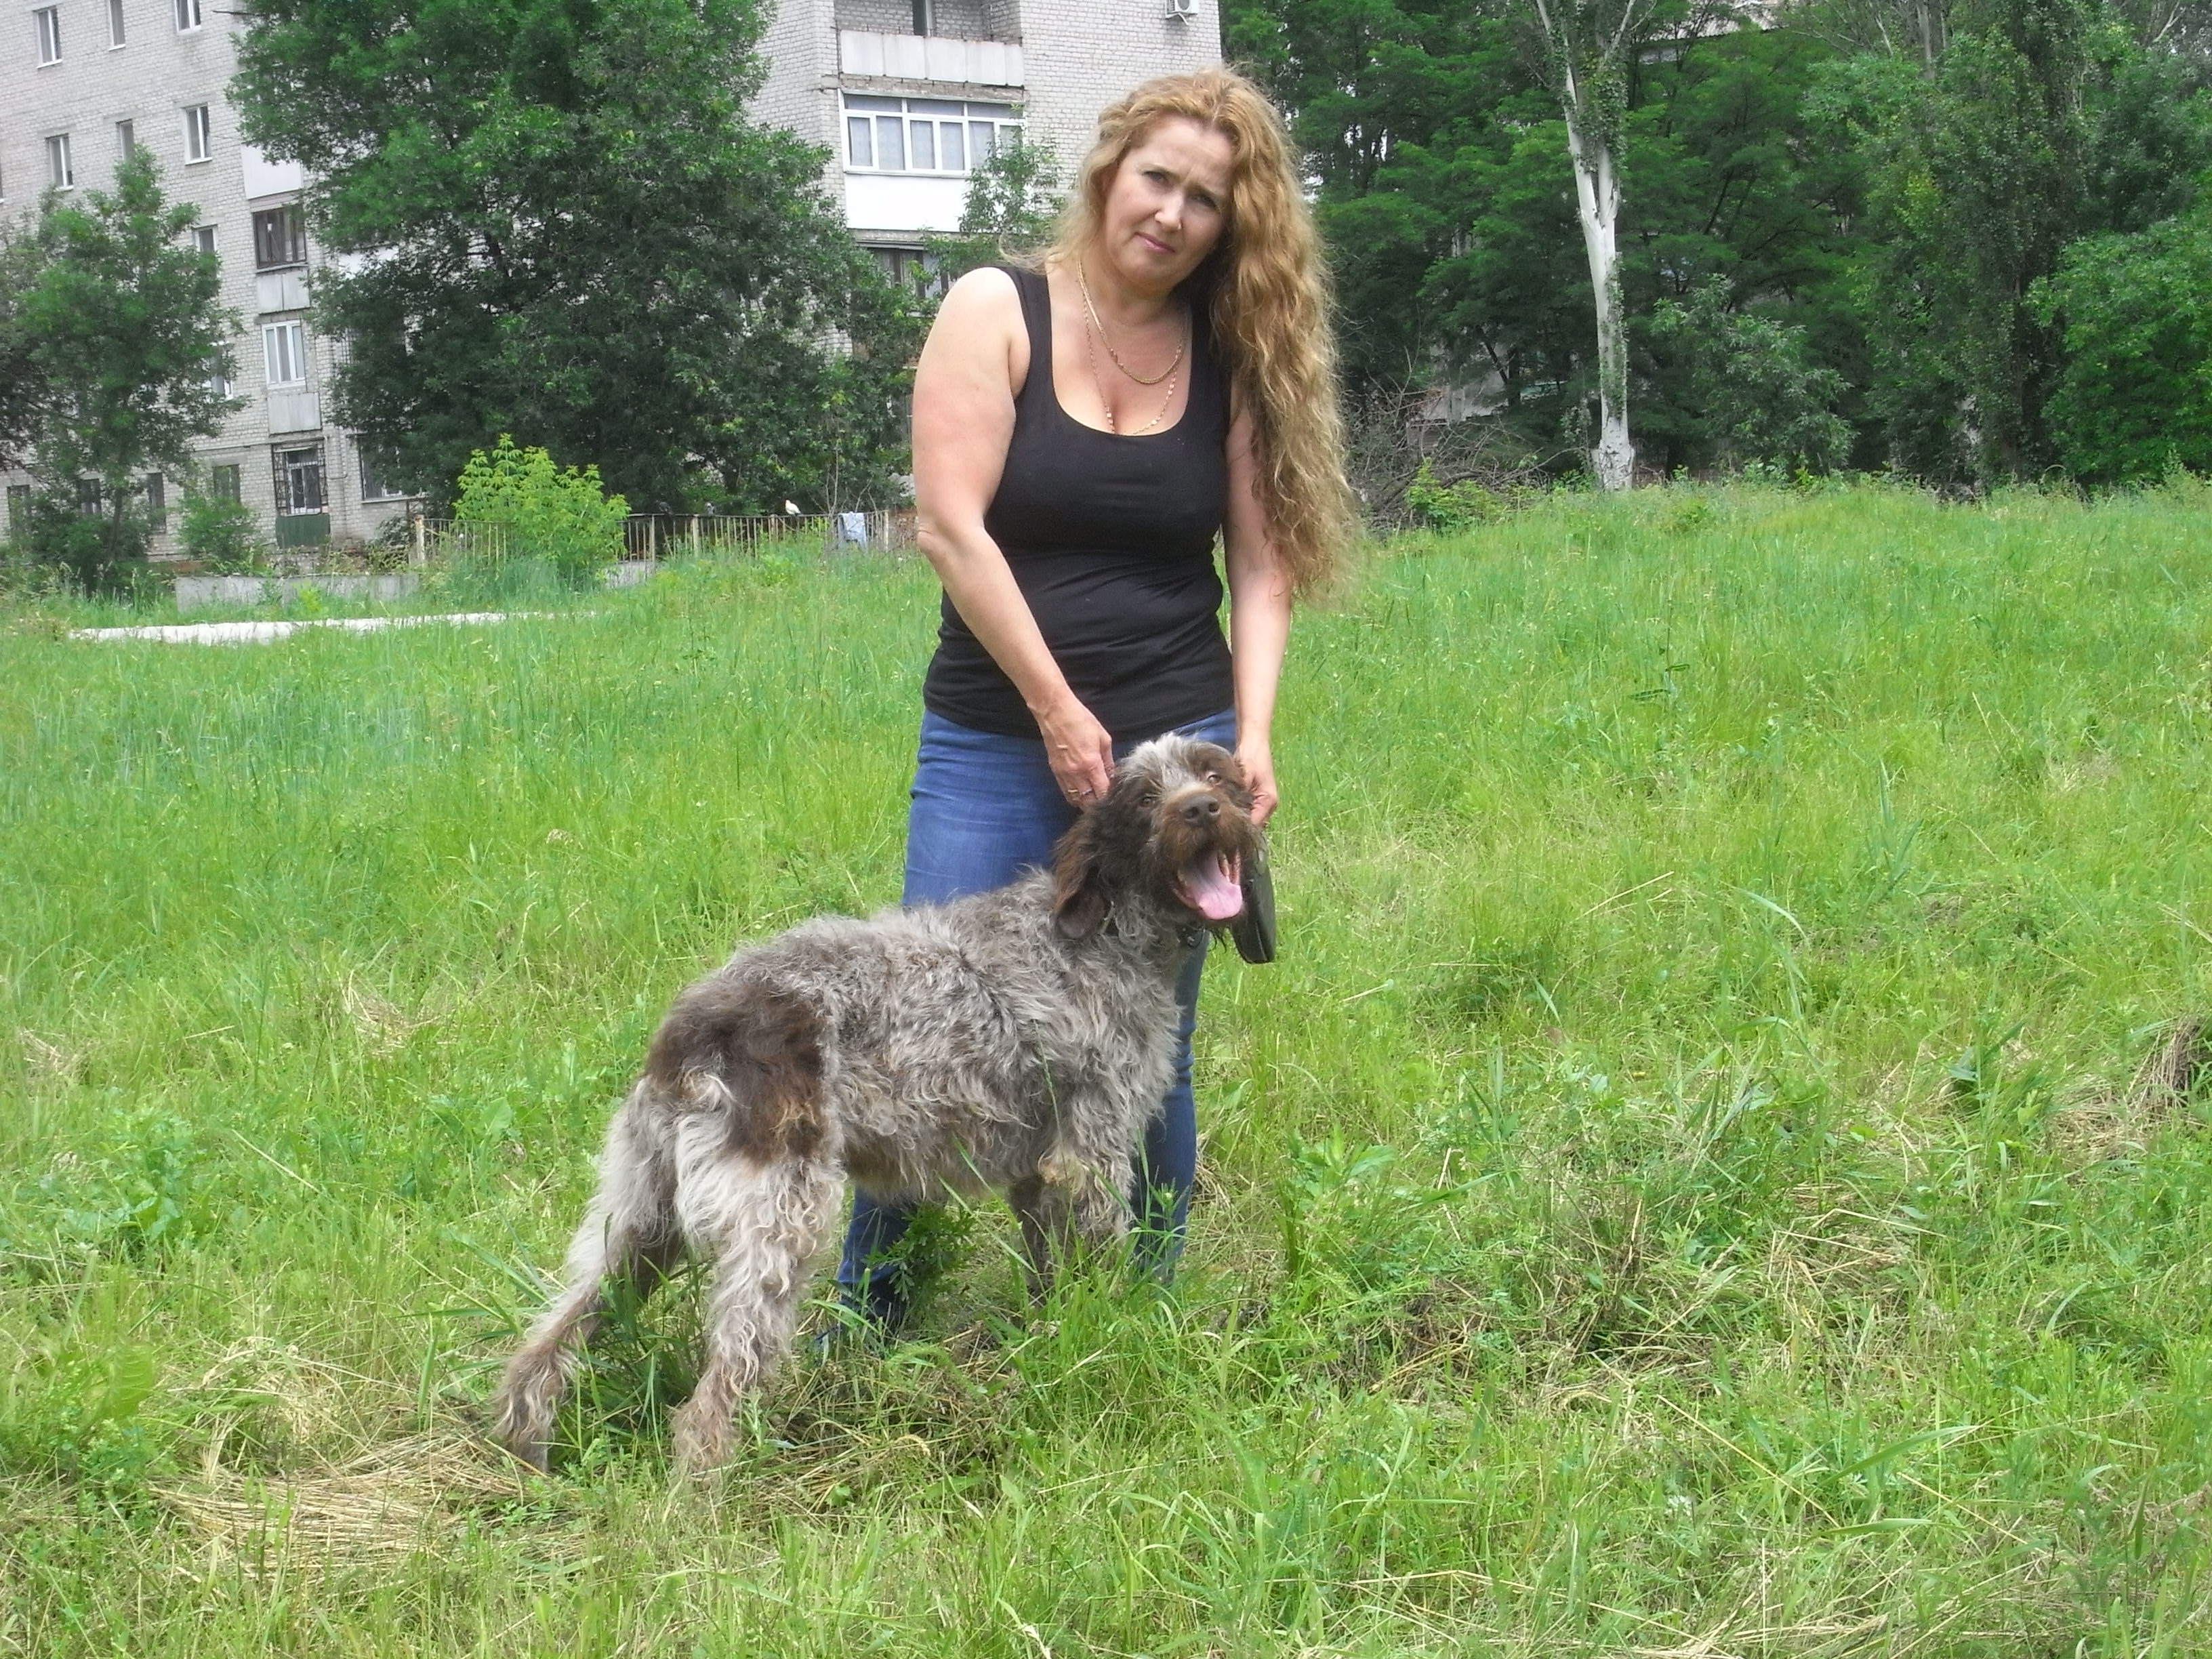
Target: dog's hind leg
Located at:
point(765, 1223)
point(629, 1236)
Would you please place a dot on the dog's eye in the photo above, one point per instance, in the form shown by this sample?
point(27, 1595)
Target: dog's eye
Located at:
point(1150, 798)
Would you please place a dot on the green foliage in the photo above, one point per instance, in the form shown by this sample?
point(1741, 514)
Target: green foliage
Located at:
point(1013, 199)
point(2041, 124)
point(560, 515)
point(2133, 398)
point(1748, 384)
point(23, 381)
point(222, 535)
point(123, 331)
point(580, 236)
point(100, 552)
point(1885, 181)
point(1450, 507)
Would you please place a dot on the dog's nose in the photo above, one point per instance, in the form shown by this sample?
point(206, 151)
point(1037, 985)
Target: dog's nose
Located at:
point(1201, 809)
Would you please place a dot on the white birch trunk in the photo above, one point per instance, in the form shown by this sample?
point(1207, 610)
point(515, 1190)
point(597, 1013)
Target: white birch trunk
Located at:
point(1597, 204)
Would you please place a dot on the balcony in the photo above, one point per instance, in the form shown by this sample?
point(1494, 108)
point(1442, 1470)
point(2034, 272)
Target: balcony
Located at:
point(929, 57)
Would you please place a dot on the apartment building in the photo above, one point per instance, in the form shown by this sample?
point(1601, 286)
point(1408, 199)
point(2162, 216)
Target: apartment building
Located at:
point(908, 95)
point(82, 82)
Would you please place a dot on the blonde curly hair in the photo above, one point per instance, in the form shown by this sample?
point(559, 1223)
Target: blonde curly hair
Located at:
point(1266, 290)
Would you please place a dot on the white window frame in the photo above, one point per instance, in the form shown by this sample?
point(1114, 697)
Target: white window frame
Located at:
point(126, 140)
point(983, 128)
point(204, 239)
point(47, 21)
point(199, 133)
point(119, 34)
point(61, 169)
point(284, 350)
point(189, 16)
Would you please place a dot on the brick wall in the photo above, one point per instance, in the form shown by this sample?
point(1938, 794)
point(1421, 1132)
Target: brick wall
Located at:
point(149, 81)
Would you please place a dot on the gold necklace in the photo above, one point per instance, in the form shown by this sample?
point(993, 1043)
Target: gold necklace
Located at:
point(1108, 343)
point(1107, 404)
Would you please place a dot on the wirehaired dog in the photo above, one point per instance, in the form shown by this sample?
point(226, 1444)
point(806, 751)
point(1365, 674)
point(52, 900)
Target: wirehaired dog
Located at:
point(1020, 1039)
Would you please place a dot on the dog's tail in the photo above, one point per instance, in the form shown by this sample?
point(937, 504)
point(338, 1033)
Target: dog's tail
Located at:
point(750, 1052)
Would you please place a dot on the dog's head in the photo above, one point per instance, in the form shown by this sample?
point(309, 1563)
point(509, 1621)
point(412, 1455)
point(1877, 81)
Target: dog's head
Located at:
point(1172, 832)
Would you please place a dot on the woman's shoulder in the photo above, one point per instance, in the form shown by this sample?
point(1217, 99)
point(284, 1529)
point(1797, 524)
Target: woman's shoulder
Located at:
point(985, 290)
point(979, 320)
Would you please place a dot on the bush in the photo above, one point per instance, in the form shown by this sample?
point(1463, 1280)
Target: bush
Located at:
point(223, 534)
point(98, 552)
point(559, 514)
point(2134, 397)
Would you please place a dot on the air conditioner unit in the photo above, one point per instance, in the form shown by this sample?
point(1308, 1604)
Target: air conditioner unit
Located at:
point(1181, 11)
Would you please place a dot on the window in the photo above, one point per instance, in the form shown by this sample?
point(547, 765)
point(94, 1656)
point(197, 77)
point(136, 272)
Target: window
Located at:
point(188, 16)
point(280, 237)
point(912, 269)
point(202, 239)
point(19, 511)
point(299, 479)
point(115, 34)
point(126, 139)
point(157, 502)
point(924, 134)
point(218, 379)
point(88, 496)
point(222, 482)
point(199, 134)
point(374, 486)
point(285, 346)
point(48, 22)
point(59, 173)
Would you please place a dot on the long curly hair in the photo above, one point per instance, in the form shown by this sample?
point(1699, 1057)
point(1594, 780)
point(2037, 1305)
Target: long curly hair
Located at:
point(1266, 290)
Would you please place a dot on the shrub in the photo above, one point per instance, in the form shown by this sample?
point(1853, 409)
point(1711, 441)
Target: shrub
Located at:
point(100, 552)
point(559, 514)
point(2134, 397)
point(223, 534)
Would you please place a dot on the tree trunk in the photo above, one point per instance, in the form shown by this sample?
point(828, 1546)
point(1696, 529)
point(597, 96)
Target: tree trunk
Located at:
point(1597, 205)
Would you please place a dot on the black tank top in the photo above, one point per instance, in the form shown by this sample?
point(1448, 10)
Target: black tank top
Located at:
point(1111, 539)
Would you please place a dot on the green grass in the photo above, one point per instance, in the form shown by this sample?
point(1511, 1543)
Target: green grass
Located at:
point(1681, 1193)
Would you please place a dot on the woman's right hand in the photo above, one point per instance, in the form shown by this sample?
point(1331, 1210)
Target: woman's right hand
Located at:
point(1081, 751)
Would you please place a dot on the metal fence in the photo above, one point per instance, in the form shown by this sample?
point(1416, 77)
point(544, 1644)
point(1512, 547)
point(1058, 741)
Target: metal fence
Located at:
point(655, 535)
point(685, 535)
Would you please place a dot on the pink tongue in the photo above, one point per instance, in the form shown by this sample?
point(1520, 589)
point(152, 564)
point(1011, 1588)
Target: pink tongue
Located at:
point(1210, 888)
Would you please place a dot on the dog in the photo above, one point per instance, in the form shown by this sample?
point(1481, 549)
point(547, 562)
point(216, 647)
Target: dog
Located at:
point(1018, 1040)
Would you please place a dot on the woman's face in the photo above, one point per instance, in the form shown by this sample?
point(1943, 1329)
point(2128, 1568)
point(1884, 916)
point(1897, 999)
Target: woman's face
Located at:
point(1168, 204)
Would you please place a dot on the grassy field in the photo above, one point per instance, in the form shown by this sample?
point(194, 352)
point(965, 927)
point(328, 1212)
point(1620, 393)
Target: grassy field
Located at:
point(1686, 1190)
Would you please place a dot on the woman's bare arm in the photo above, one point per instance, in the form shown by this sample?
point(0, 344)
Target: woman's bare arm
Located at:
point(963, 419)
point(1259, 617)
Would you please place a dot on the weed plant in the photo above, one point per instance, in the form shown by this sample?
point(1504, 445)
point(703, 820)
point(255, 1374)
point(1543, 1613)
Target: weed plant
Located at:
point(1687, 1188)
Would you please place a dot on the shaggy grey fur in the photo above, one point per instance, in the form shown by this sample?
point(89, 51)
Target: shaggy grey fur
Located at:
point(1018, 1040)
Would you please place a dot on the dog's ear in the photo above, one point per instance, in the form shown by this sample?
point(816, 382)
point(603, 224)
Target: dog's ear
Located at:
point(1078, 885)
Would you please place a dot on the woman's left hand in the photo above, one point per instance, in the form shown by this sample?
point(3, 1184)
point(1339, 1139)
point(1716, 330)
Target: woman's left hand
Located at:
point(1260, 778)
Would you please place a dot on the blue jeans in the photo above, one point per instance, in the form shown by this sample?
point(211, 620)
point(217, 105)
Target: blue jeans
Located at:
point(985, 808)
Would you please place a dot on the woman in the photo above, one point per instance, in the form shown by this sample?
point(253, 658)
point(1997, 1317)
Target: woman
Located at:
point(1082, 432)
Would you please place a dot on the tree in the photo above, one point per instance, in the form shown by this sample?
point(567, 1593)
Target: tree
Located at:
point(22, 382)
point(1750, 383)
point(2134, 396)
point(1587, 48)
point(2041, 123)
point(562, 224)
point(131, 346)
point(1013, 199)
